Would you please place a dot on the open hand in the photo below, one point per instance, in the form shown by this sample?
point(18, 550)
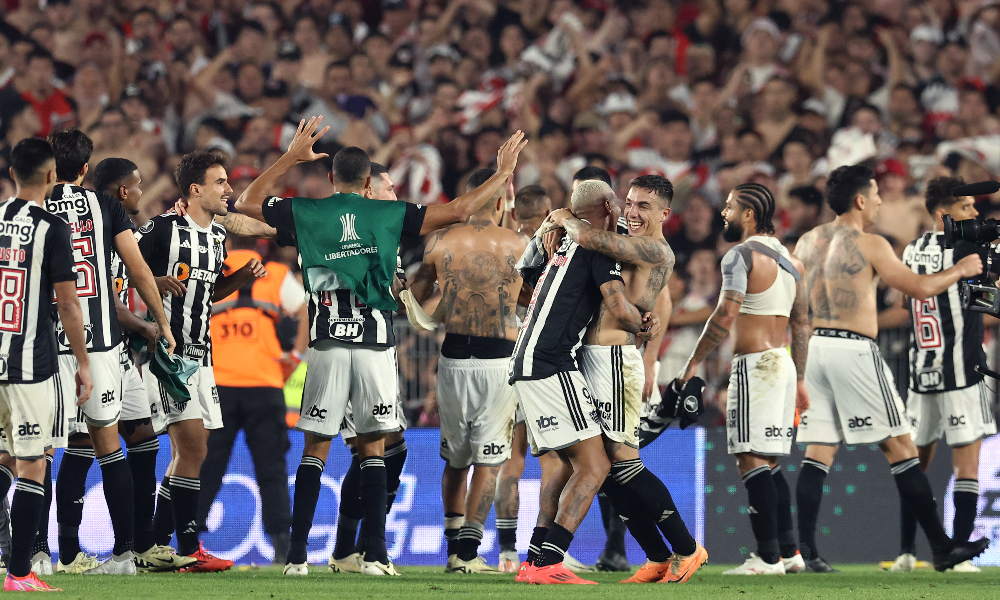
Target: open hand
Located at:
point(507, 155)
point(301, 146)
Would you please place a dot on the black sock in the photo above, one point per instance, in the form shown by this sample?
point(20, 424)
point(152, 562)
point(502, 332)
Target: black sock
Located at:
point(453, 522)
point(350, 512)
point(916, 492)
point(763, 512)
point(42, 534)
point(469, 538)
point(307, 485)
point(71, 487)
point(651, 493)
point(25, 512)
point(120, 495)
point(141, 459)
point(6, 480)
point(163, 518)
point(907, 528)
point(640, 524)
point(786, 533)
point(395, 458)
point(808, 495)
point(373, 500)
point(555, 546)
point(966, 496)
point(184, 492)
point(535, 545)
point(507, 534)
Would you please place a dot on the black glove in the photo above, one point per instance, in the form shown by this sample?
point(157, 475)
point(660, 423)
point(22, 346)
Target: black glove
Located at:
point(687, 401)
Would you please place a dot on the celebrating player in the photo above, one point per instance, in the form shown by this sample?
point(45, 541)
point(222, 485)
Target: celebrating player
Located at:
point(852, 397)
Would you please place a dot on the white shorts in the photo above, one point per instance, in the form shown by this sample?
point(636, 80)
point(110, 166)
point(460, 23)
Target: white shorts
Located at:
point(204, 402)
point(26, 416)
point(347, 430)
point(963, 416)
point(104, 407)
point(852, 395)
point(760, 405)
point(339, 374)
point(135, 402)
point(477, 408)
point(616, 376)
point(559, 411)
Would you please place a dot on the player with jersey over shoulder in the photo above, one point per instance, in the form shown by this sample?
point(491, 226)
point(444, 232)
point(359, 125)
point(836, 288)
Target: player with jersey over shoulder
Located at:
point(947, 395)
point(36, 263)
point(100, 228)
point(852, 397)
point(762, 296)
point(348, 247)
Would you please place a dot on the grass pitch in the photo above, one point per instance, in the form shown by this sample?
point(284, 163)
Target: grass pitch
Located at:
point(417, 583)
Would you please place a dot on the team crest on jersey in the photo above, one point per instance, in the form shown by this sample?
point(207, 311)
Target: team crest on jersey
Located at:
point(147, 227)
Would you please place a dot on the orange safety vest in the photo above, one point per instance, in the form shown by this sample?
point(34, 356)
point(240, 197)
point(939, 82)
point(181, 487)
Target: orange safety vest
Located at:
point(245, 347)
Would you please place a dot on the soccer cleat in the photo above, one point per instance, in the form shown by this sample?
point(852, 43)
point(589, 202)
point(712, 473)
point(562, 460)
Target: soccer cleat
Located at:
point(476, 565)
point(522, 572)
point(576, 566)
point(819, 565)
point(28, 583)
point(556, 574)
point(348, 564)
point(795, 564)
point(293, 569)
point(904, 563)
point(649, 572)
point(379, 569)
point(683, 567)
point(755, 565)
point(82, 562)
point(206, 563)
point(965, 567)
point(41, 563)
point(123, 565)
point(613, 561)
point(961, 552)
point(508, 561)
point(161, 558)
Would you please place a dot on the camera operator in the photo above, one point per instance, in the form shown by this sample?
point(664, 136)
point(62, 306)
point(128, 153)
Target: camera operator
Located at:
point(947, 394)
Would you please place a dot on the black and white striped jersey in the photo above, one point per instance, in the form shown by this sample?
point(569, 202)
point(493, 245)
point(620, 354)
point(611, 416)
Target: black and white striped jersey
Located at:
point(178, 247)
point(339, 315)
point(119, 275)
point(35, 253)
point(565, 299)
point(946, 343)
point(94, 218)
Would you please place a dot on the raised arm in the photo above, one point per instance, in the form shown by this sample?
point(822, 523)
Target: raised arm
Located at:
point(463, 207)
point(422, 286)
point(640, 250)
point(892, 270)
point(618, 305)
point(300, 150)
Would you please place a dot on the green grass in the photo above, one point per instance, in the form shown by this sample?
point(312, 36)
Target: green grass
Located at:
point(856, 581)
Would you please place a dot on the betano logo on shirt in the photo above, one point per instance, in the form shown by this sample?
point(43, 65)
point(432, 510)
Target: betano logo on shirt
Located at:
point(183, 272)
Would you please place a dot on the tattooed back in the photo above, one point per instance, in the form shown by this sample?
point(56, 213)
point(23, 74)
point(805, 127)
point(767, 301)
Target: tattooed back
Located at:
point(840, 278)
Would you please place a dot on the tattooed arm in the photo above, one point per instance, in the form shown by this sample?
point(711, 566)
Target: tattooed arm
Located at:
point(888, 266)
point(801, 332)
point(238, 224)
point(618, 305)
point(715, 331)
point(640, 250)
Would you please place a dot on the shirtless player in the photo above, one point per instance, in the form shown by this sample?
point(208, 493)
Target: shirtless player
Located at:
point(474, 265)
point(852, 396)
point(761, 296)
point(613, 367)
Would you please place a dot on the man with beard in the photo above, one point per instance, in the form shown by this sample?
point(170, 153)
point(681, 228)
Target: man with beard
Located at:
point(761, 297)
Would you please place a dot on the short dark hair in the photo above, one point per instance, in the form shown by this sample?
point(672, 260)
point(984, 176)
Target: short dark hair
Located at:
point(656, 184)
point(674, 116)
point(939, 192)
point(39, 52)
point(809, 196)
point(28, 156)
point(111, 173)
point(758, 198)
point(478, 178)
point(529, 202)
point(378, 170)
point(72, 149)
point(193, 167)
point(591, 173)
point(351, 166)
point(844, 185)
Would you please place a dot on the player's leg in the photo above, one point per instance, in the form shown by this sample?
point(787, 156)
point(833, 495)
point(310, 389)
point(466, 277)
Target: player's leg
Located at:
point(508, 500)
point(220, 446)
point(926, 424)
point(395, 459)
point(790, 555)
point(267, 438)
point(71, 487)
point(453, 391)
point(190, 439)
point(346, 555)
point(142, 446)
point(8, 468)
point(307, 486)
point(970, 420)
point(965, 460)
point(809, 495)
